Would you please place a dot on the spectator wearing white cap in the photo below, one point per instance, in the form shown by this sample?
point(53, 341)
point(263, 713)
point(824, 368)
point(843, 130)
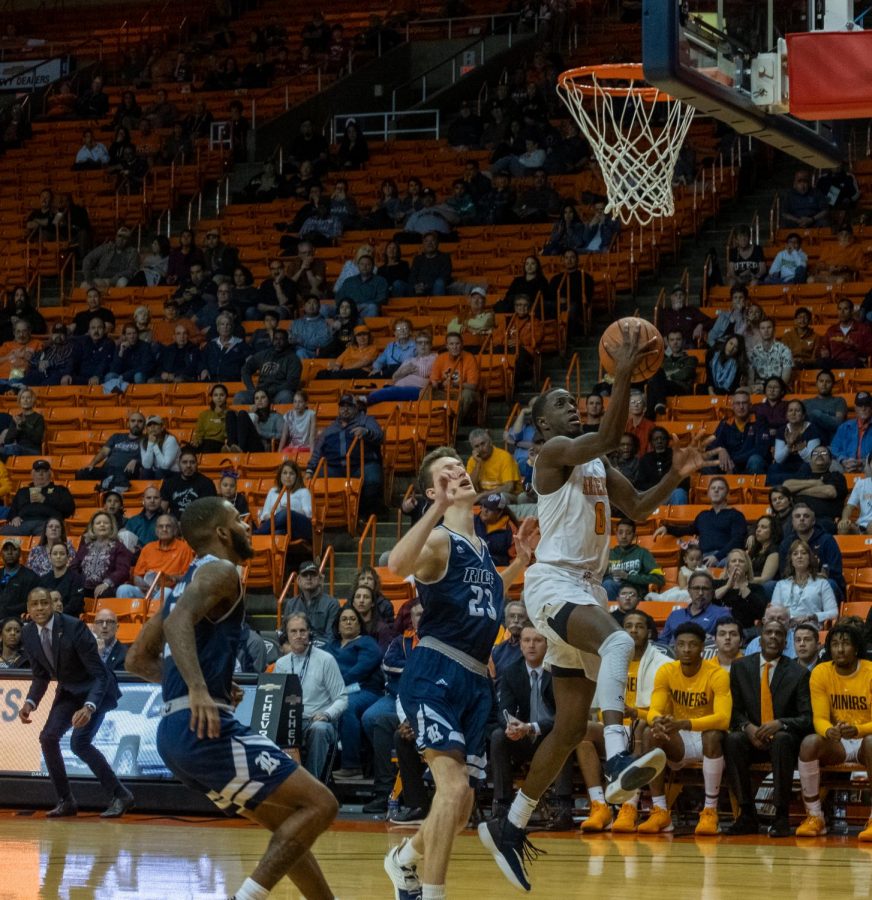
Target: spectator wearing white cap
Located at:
point(479, 320)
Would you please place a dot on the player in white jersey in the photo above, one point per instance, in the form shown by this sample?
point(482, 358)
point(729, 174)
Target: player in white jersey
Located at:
point(566, 601)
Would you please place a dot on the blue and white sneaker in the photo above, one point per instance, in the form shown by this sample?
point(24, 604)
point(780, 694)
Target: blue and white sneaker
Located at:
point(407, 884)
point(625, 774)
point(510, 849)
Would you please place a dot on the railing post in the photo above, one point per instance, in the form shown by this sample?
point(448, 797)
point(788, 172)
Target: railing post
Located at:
point(423, 88)
point(437, 124)
point(253, 111)
point(453, 69)
point(481, 53)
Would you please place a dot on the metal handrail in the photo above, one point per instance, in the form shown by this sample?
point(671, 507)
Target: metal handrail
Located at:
point(388, 120)
point(457, 19)
point(371, 526)
point(478, 43)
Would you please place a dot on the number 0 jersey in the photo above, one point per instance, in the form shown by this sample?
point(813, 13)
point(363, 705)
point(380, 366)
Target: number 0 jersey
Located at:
point(464, 608)
point(575, 520)
point(217, 644)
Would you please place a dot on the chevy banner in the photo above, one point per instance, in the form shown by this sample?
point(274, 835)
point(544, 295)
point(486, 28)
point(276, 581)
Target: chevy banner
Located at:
point(126, 738)
point(31, 74)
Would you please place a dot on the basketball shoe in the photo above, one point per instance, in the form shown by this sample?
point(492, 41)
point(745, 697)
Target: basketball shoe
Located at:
point(812, 826)
point(510, 848)
point(407, 884)
point(625, 774)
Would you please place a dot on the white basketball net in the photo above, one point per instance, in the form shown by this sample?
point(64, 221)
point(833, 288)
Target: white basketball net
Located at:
point(637, 158)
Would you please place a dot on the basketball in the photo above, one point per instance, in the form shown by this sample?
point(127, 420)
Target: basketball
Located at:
point(613, 338)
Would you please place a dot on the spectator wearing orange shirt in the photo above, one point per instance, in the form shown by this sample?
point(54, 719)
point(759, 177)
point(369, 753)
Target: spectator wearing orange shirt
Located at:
point(523, 333)
point(847, 343)
point(15, 354)
point(456, 369)
point(356, 359)
point(163, 328)
point(637, 423)
point(802, 341)
point(840, 262)
point(169, 555)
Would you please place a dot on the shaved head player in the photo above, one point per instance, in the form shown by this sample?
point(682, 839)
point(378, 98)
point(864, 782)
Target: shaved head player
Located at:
point(197, 635)
point(567, 603)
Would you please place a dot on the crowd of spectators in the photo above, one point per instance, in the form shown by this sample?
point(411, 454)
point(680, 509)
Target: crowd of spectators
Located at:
point(740, 580)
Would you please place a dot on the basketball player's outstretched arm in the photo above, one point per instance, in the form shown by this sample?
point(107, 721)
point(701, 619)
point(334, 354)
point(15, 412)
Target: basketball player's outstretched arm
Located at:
point(214, 586)
point(421, 551)
point(144, 655)
point(685, 461)
point(560, 452)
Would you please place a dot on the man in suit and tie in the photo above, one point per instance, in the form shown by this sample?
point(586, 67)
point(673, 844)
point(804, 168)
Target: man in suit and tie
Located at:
point(771, 715)
point(62, 648)
point(526, 715)
point(111, 650)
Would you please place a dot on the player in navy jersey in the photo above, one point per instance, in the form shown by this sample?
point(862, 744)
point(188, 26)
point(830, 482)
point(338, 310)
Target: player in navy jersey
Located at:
point(445, 691)
point(198, 635)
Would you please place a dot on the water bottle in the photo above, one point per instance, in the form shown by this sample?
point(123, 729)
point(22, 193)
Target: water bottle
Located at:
point(393, 807)
point(840, 813)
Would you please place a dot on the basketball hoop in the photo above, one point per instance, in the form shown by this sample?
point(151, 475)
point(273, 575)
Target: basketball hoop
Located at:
point(614, 108)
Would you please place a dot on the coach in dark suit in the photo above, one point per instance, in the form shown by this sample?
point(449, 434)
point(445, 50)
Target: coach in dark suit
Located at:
point(767, 725)
point(526, 693)
point(62, 648)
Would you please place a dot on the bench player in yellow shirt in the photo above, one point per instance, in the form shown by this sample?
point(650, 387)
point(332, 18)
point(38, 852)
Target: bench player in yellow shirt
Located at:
point(841, 703)
point(690, 713)
point(647, 660)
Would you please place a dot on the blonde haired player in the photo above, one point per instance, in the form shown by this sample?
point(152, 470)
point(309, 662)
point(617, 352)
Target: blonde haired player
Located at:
point(841, 703)
point(565, 598)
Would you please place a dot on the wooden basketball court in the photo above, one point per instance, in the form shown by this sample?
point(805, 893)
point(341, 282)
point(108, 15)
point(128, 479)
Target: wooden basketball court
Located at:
point(162, 859)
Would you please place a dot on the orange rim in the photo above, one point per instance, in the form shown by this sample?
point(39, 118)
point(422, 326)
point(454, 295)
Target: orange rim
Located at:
point(588, 80)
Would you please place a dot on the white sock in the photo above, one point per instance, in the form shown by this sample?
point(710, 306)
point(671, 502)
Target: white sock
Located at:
point(432, 892)
point(615, 653)
point(634, 800)
point(810, 779)
point(615, 739)
point(407, 855)
point(251, 890)
point(521, 809)
point(659, 800)
point(596, 794)
point(712, 773)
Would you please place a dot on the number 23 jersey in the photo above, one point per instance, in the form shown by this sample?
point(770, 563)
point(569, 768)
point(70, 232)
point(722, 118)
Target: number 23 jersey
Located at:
point(464, 608)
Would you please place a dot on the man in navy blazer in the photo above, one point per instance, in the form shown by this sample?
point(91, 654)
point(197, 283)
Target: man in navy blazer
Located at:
point(758, 737)
point(62, 648)
point(521, 731)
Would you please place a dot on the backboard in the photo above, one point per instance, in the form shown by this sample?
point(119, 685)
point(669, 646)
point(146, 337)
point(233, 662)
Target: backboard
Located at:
point(728, 58)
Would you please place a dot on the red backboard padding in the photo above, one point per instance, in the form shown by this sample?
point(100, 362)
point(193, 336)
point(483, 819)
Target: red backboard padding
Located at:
point(830, 74)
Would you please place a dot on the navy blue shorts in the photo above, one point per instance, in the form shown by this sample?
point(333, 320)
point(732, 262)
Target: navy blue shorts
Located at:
point(237, 770)
point(448, 707)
